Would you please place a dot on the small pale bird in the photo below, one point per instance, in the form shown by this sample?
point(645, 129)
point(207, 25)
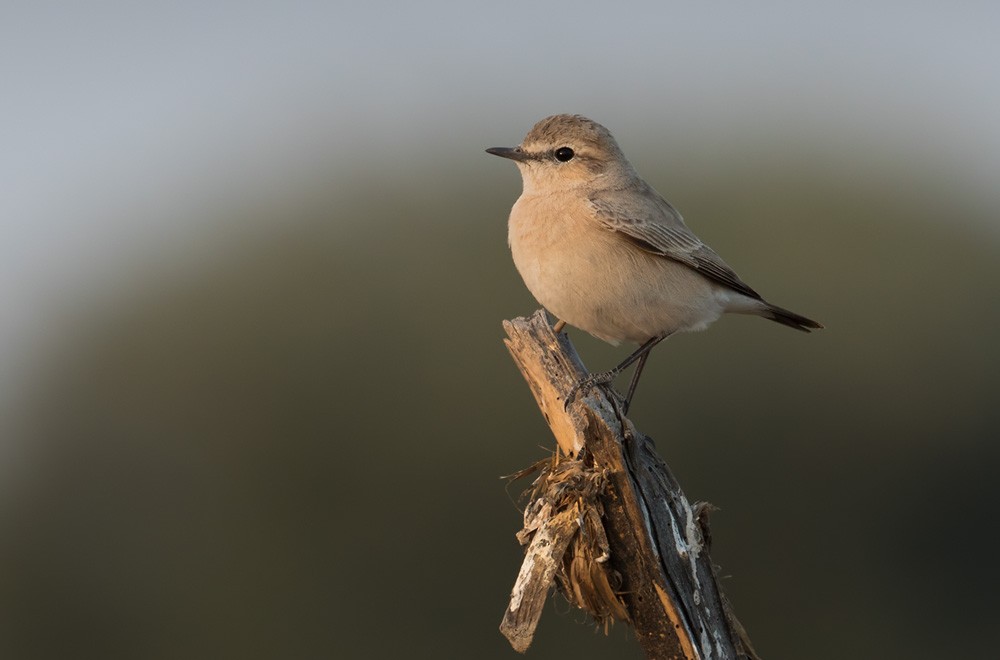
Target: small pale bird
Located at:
point(604, 252)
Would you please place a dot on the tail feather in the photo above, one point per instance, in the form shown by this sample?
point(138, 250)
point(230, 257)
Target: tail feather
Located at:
point(791, 319)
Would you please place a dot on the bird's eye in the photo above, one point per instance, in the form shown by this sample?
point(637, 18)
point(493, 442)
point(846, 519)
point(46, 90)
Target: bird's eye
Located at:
point(563, 154)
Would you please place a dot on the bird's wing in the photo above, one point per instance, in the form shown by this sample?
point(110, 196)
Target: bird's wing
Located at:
point(651, 223)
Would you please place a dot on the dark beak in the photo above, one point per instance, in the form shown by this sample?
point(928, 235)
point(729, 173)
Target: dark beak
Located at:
point(507, 152)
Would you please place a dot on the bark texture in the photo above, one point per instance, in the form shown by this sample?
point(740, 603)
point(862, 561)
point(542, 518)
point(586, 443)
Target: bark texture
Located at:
point(607, 522)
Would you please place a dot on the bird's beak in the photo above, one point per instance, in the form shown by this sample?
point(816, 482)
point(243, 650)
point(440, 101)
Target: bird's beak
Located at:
point(507, 152)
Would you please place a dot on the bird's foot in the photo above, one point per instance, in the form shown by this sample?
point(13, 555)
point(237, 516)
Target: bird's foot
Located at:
point(591, 380)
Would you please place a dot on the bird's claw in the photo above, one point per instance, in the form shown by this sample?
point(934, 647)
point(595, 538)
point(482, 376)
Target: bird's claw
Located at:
point(589, 381)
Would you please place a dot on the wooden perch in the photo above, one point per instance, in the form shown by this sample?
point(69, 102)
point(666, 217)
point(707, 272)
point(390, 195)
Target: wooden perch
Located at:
point(607, 521)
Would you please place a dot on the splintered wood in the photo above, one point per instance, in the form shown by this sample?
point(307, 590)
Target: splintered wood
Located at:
point(564, 534)
point(608, 523)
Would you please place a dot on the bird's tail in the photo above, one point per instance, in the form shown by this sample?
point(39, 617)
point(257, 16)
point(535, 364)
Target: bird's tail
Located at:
point(791, 319)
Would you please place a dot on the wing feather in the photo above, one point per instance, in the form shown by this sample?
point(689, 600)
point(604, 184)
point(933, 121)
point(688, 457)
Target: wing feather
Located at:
point(646, 219)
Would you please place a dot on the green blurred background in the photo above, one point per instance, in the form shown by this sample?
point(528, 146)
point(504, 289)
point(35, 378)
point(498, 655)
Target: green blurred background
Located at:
point(255, 399)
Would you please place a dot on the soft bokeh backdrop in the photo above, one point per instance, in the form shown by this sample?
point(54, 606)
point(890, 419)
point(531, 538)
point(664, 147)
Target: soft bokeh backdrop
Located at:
point(252, 272)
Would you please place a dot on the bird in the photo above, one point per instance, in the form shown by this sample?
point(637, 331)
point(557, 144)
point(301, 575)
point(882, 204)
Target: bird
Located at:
point(602, 251)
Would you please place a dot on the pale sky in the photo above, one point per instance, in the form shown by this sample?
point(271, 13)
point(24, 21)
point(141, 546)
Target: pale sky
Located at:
point(125, 124)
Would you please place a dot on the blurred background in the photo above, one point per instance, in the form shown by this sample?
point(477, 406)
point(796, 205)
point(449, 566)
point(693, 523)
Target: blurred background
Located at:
point(253, 268)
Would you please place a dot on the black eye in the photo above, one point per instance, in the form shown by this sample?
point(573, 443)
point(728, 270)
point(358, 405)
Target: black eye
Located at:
point(563, 154)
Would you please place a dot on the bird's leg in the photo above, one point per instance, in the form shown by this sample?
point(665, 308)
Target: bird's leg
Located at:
point(605, 377)
point(560, 324)
point(635, 380)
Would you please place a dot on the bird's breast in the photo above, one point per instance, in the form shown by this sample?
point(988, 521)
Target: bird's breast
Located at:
point(595, 280)
point(557, 245)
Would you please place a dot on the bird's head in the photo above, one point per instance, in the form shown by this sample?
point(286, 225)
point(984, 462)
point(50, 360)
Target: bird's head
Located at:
point(567, 151)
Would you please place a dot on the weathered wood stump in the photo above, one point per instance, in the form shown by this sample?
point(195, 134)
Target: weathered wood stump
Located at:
point(608, 523)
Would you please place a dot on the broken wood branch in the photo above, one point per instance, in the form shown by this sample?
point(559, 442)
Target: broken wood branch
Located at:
point(608, 523)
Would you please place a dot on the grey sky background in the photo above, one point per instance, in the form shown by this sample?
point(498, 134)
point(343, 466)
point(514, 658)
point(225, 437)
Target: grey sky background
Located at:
point(126, 126)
